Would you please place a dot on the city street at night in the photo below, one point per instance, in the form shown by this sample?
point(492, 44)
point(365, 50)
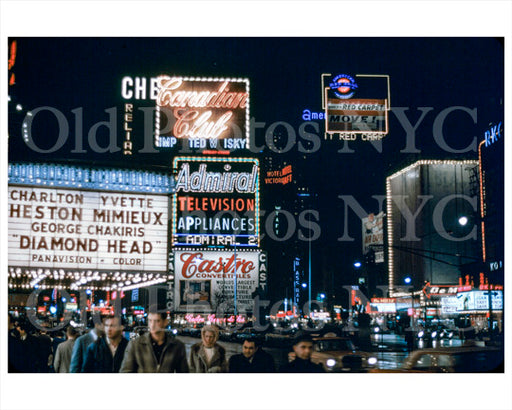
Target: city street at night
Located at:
point(295, 202)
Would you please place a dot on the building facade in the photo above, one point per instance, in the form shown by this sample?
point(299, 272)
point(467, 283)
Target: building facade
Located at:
point(432, 232)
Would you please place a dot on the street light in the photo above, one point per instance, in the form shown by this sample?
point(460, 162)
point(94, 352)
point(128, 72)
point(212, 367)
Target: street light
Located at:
point(463, 220)
point(357, 264)
point(408, 281)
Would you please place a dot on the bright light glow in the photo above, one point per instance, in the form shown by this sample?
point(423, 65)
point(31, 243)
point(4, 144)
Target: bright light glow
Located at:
point(304, 285)
point(463, 220)
point(408, 280)
point(357, 264)
point(330, 362)
point(372, 361)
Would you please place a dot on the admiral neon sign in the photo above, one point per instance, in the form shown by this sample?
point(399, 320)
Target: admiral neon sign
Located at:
point(216, 202)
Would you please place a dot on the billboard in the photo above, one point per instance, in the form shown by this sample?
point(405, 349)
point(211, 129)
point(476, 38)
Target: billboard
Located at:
point(206, 279)
point(479, 300)
point(366, 115)
point(78, 229)
point(361, 115)
point(216, 202)
point(373, 235)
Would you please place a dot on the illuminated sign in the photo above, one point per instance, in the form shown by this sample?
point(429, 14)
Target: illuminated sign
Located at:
point(74, 229)
point(373, 235)
point(216, 202)
point(283, 176)
point(479, 300)
point(343, 85)
point(449, 305)
point(493, 134)
point(208, 114)
point(356, 115)
point(366, 116)
point(207, 278)
point(308, 115)
point(439, 290)
point(66, 176)
point(186, 114)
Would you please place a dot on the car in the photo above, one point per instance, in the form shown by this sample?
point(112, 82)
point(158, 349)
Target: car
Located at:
point(249, 333)
point(463, 359)
point(441, 332)
point(338, 354)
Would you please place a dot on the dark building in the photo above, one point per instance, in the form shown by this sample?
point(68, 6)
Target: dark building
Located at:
point(431, 223)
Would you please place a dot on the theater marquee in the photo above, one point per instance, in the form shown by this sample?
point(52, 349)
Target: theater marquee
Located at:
point(74, 229)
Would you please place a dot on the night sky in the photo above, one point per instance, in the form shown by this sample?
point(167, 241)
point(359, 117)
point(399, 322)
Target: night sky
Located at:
point(284, 74)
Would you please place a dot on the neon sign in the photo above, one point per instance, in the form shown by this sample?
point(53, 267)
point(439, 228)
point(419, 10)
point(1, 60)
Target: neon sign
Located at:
point(493, 134)
point(283, 176)
point(216, 202)
point(206, 113)
point(366, 116)
point(344, 86)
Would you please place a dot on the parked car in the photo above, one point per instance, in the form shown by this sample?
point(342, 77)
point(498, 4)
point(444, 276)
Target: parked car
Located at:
point(464, 359)
point(248, 333)
point(227, 334)
point(338, 354)
point(441, 332)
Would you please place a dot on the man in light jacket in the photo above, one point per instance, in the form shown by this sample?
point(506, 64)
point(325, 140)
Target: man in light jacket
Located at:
point(63, 354)
point(155, 351)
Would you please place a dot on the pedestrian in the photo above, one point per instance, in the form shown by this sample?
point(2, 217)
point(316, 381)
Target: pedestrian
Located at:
point(64, 350)
point(44, 351)
point(208, 356)
point(155, 351)
point(81, 345)
point(303, 349)
point(12, 346)
point(26, 357)
point(107, 352)
point(252, 359)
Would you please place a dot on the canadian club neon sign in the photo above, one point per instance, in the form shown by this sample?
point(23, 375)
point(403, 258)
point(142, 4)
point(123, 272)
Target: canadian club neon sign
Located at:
point(207, 113)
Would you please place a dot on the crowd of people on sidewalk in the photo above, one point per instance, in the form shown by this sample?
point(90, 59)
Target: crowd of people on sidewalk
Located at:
point(104, 349)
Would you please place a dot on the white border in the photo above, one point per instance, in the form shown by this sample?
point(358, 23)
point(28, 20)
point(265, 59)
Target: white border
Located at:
point(280, 18)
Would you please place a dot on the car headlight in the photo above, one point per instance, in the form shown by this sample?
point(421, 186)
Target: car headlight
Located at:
point(330, 362)
point(372, 361)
